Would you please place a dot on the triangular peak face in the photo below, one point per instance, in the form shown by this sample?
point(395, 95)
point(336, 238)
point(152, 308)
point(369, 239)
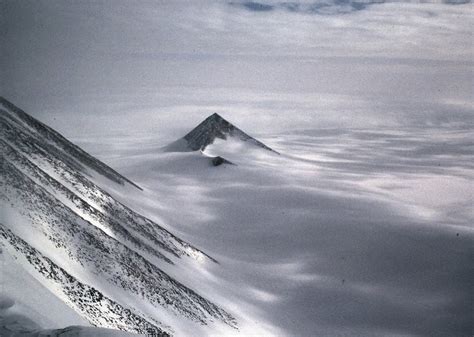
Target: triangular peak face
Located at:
point(215, 116)
point(213, 121)
point(215, 126)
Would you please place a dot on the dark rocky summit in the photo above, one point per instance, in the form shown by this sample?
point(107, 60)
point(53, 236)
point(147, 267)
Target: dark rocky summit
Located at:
point(214, 127)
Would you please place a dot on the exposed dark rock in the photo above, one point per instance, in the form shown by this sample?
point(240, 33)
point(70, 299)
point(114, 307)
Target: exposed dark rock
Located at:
point(62, 146)
point(44, 178)
point(217, 161)
point(87, 300)
point(214, 127)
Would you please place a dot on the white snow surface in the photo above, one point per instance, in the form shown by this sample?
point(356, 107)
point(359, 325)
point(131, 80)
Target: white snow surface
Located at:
point(347, 232)
point(20, 294)
point(28, 309)
point(93, 253)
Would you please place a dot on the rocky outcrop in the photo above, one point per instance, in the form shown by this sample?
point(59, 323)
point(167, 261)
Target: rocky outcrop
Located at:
point(208, 131)
point(86, 246)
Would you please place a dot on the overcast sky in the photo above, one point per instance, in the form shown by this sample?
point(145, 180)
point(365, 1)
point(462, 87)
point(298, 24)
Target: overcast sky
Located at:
point(123, 68)
point(298, 64)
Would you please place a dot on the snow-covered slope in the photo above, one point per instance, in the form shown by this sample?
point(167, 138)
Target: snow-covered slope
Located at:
point(362, 232)
point(97, 255)
point(349, 232)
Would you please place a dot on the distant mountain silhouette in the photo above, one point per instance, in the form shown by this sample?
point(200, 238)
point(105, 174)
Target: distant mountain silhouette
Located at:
point(206, 133)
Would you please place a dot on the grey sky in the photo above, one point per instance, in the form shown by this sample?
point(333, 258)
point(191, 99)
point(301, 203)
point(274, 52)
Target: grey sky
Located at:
point(127, 69)
point(326, 63)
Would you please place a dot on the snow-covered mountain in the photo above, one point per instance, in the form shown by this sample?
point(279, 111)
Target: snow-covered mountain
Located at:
point(368, 235)
point(212, 128)
point(100, 257)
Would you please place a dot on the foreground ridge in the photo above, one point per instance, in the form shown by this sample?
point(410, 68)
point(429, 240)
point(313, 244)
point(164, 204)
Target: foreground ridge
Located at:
point(111, 314)
point(76, 238)
point(68, 148)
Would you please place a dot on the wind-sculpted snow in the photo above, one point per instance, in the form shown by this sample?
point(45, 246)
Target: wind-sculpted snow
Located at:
point(98, 309)
point(208, 130)
point(67, 148)
point(88, 234)
point(99, 253)
point(103, 221)
point(66, 173)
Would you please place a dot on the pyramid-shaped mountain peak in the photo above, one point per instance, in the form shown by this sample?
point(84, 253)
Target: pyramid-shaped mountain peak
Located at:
point(215, 126)
point(215, 115)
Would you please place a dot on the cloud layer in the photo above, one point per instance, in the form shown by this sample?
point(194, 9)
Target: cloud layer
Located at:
point(374, 213)
point(392, 62)
point(347, 232)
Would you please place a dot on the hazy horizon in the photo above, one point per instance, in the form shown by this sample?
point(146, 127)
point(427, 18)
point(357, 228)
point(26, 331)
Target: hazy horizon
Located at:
point(265, 65)
point(361, 226)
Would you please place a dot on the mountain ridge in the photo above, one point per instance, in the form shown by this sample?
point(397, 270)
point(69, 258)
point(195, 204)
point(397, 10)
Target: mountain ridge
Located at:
point(53, 209)
point(212, 128)
point(73, 150)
